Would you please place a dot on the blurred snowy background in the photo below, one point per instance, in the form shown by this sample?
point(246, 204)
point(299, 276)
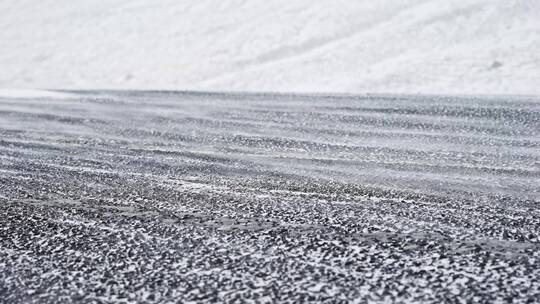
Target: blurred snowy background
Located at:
point(420, 46)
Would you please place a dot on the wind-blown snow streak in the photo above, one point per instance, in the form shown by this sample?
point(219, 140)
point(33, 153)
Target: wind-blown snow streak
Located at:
point(427, 46)
point(431, 145)
point(158, 196)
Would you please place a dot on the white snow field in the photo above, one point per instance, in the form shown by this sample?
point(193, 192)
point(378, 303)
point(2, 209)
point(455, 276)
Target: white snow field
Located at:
point(420, 46)
point(31, 93)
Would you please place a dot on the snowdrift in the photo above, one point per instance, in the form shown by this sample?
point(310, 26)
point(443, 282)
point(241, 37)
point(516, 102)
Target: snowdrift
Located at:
point(421, 46)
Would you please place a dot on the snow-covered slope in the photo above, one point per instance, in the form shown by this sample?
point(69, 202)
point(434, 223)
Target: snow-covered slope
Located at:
point(421, 46)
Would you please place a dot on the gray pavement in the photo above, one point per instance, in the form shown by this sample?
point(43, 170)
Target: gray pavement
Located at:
point(177, 197)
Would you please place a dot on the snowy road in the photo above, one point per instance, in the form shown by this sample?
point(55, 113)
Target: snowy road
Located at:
point(171, 196)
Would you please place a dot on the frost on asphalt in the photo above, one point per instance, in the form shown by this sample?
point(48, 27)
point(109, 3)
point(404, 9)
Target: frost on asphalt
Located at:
point(177, 197)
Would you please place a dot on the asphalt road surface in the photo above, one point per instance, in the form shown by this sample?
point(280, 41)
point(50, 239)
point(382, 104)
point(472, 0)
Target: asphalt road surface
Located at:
point(174, 197)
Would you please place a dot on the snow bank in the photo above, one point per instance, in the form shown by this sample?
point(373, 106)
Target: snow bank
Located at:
point(31, 93)
point(386, 46)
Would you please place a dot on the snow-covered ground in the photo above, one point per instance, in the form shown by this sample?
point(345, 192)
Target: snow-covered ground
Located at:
point(31, 93)
point(420, 46)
